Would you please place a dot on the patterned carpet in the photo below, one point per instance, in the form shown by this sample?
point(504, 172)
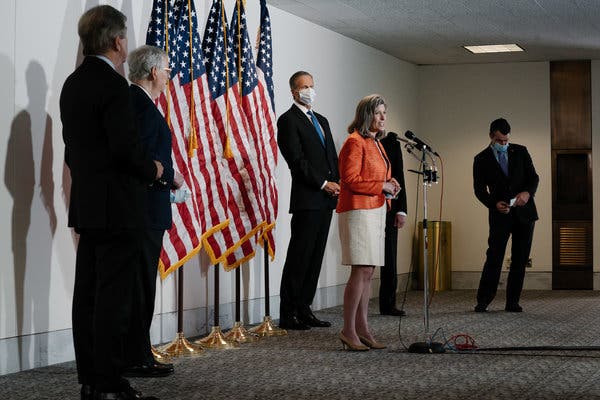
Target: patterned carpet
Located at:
point(312, 364)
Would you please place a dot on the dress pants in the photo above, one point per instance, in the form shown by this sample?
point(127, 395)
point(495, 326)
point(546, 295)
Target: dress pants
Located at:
point(303, 261)
point(501, 227)
point(388, 274)
point(104, 282)
point(138, 351)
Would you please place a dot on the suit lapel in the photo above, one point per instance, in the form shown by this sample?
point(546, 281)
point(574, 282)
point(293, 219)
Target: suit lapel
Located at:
point(493, 162)
point(309, 126)
point(511, 160)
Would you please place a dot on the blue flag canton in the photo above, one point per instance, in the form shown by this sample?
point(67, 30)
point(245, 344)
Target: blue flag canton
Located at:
point(156, 34)
point(265, 51)
point(216, 53)
point(240, 38)
point(186, 58)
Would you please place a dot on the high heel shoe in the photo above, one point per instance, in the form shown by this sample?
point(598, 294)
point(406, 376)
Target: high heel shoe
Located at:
point(348, 345)
point(372, 343)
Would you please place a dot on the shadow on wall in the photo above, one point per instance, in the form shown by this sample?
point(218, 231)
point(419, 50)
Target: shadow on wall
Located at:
point(29, 180)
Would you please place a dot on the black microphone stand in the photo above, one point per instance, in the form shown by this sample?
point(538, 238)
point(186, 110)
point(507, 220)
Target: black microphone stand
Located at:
point(429, 176)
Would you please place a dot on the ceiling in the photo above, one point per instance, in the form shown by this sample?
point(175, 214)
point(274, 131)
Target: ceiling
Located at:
point(434, 31)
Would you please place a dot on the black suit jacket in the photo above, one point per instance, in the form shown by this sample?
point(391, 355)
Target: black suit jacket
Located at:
point(109, 171)
point(310, 163)
point(491, 185)
point(156, 142)
point(394, 152)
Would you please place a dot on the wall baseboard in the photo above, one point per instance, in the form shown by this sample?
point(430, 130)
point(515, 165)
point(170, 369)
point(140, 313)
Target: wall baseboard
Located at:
point(533, 280)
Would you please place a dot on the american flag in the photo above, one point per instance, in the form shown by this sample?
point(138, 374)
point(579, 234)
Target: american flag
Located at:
point(245, 183)
point(257, 106)
point(197, 149)
point(264, 58)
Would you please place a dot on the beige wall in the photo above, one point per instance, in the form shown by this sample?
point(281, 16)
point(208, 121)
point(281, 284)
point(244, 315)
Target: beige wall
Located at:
point(456, 105)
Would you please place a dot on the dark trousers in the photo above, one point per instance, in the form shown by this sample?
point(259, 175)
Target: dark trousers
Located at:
point(388, 275)
point(138, 351)
point(501, 227)
point(303, 261)
point(104, 282)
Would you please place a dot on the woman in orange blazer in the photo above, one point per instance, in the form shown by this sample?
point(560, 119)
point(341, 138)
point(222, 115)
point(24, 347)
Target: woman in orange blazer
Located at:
point(365, 187)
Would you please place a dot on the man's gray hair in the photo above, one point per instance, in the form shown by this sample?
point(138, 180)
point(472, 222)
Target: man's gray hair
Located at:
point(98, 28)
point(365, 113)
point(142, 60)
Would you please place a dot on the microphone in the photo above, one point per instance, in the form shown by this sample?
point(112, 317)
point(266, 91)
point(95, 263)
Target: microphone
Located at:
point(420, 144)
point(398, 138)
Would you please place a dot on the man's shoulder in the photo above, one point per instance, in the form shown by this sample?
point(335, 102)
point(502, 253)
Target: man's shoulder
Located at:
point(292, 116)
point(287, 114)
point(483, 154)
point(139, 97)
point(389, 139)
point(517, 147)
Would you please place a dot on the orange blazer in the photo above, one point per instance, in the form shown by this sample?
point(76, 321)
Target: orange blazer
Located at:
point(363, 171)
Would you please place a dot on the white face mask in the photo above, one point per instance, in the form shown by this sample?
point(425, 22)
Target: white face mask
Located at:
point(307, 95)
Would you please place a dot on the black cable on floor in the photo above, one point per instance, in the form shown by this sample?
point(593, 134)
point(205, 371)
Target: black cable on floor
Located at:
point(536, 348)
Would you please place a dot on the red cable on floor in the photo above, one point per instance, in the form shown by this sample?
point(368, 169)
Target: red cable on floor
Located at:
point(462, 342)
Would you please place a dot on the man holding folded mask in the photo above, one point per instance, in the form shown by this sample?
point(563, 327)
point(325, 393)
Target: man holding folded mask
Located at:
point(505, 181)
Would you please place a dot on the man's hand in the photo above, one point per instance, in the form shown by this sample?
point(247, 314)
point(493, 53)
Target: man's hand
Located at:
point(399, 221)
point(177, 180)
point(503, 207)
point(332, 188)
point(159, 169)
point(521, 199)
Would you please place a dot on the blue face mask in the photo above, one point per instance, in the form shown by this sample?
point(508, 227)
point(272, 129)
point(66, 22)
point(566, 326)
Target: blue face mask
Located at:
point(502, 148)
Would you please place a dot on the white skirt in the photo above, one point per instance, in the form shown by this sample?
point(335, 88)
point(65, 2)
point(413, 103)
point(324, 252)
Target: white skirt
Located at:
point(362, 236)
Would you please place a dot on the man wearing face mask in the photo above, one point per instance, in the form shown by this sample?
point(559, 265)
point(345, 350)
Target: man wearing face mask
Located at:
point(505, 181)
point(305, 141)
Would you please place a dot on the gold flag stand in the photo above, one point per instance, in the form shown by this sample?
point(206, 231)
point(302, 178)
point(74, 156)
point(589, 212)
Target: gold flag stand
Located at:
point(239, 333)
point(215, 339)
point(180, 346)
point(160, 356)
point(267, 328)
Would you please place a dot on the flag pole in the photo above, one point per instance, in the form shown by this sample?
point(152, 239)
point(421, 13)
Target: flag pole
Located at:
point(239, 333)
point(267, 328)
point(215, 339)
point(180, 346)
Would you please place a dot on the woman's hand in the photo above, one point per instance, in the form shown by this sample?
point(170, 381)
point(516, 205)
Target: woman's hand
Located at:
point(392, 187)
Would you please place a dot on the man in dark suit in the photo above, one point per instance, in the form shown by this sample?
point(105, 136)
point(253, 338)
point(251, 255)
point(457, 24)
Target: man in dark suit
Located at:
point(149, 73)
point(505, 181)
point(395, 219)
point(109, 175)
point(305, 141)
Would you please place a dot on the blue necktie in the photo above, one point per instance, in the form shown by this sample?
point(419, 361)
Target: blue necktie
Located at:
point(313, 118)
point(503, 161)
